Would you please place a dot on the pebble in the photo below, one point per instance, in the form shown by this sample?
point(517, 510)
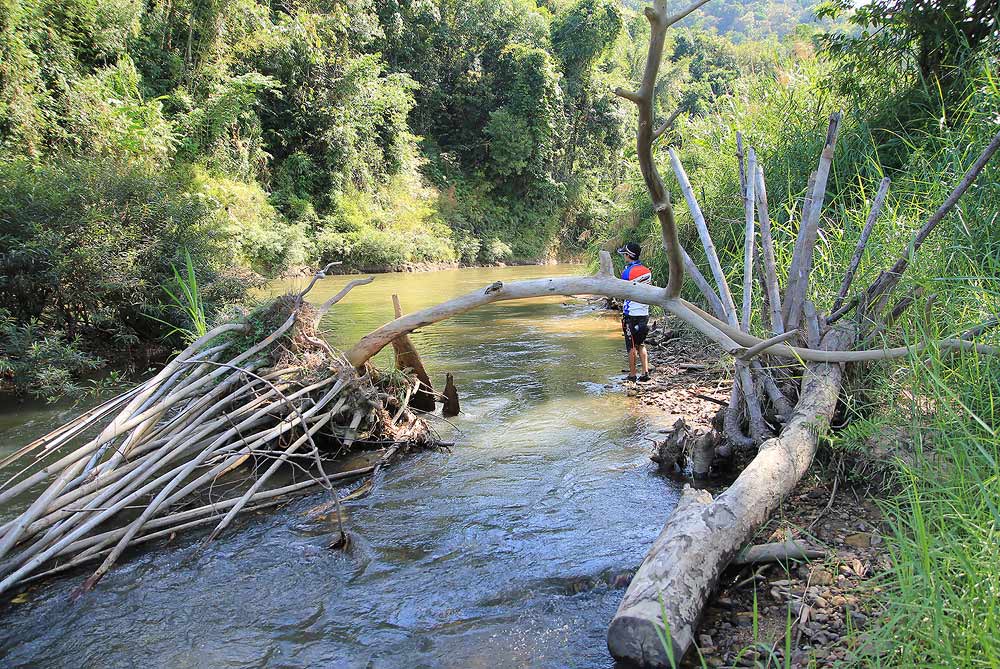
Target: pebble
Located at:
point(859, 540)
point(858, 619)
point(705, 641)
point(821, 603)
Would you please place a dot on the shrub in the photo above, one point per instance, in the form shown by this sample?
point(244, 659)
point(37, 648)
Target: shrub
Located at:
point(252, 232)
point(40, 361)
point(85, 250)
point(497, 251)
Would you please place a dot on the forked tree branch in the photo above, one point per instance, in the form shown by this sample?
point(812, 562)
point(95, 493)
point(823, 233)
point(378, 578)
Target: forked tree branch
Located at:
point(659, 21)
point(667, 124)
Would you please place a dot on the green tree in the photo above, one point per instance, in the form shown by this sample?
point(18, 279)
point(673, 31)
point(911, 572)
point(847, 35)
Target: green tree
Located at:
point(934, 40)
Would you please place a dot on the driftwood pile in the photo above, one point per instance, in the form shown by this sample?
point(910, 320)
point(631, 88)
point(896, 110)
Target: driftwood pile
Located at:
point(246, 416)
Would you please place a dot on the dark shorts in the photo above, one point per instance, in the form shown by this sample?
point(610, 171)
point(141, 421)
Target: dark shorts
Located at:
point(635, 329)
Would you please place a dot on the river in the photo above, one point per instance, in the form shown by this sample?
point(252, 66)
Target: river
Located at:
point(512, 550)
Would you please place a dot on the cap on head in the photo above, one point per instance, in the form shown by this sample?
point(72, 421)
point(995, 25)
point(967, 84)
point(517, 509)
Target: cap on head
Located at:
point(630, 249)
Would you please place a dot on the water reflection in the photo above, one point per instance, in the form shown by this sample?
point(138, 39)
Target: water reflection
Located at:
point(510, 551)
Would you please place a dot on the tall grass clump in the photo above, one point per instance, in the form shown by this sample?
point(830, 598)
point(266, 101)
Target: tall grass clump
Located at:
point(942, 591)
point(939, 414)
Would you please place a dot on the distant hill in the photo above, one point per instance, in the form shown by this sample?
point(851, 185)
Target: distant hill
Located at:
point(746, 19)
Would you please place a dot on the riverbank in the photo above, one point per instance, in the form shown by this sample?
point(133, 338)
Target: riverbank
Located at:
point(308, 270)
point(816, 614)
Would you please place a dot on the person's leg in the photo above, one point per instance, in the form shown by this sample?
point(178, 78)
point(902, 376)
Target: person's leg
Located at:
point(645, 359)
point(631, 362)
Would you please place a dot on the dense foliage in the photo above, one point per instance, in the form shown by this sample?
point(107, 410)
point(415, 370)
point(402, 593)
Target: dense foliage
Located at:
point(262, 137)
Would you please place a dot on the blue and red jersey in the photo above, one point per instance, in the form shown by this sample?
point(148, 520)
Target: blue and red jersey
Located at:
point(636, 272)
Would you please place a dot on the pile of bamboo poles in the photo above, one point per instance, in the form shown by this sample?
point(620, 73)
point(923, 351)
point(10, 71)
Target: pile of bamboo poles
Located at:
point(198, 443)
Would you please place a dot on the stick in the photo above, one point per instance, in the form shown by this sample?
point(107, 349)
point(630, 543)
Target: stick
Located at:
point(702, 283)
point(859, 250)
point(783, 551)
point(767, 246)
point(798, 273)
point(757, 349)
point(706, 240)
point(799, 240)
point(887, 280)
point(326, 306)
point(749, 234)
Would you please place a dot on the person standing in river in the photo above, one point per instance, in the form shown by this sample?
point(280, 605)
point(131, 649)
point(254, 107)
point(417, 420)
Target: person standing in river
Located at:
point(635, 315)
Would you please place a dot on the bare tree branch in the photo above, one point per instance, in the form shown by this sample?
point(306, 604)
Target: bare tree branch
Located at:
point(859, 250)
point(643, 99)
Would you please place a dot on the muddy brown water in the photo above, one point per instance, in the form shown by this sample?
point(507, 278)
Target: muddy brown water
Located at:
point(513, 550)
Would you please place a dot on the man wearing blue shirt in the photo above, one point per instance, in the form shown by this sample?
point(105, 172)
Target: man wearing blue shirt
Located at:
point(635, 315)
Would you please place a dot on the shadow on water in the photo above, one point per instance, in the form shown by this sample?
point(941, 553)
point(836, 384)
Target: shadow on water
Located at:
point(511, 551)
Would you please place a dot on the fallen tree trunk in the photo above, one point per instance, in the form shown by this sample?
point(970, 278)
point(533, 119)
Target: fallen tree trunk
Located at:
point(675, 579)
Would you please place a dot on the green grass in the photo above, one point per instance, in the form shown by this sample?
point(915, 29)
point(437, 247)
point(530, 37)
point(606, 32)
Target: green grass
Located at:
point(186, 296)
point(942, 593)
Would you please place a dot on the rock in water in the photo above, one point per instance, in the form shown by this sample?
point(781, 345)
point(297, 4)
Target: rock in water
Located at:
point(450, 397)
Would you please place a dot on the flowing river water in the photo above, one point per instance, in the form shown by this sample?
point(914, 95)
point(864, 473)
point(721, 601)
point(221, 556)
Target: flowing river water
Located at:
point(512, 550)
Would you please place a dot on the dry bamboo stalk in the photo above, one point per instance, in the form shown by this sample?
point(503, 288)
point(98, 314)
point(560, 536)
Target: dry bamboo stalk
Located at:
point(703, 286)
point(706, 240)
point(799, 241)
point(179, 521)
point(12, 535)
point(70, 430)
point(61, 541)
point(812, 324)
point(782, 405)
point(798, 272)
point(294, 446)
point(859, 250)
point(767, 248)
point(744, 389)
point(762, 347)
point(749, 234)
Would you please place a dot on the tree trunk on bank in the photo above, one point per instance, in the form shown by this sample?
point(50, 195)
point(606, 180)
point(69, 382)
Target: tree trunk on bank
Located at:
point(702, 535)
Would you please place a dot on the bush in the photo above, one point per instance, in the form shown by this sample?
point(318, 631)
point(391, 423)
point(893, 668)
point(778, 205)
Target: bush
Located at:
point(85, 250)
point(253, 233)
point(40, 361)
point(497, 251)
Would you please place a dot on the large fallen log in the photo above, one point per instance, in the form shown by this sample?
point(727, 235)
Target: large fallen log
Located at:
point(702, 535)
